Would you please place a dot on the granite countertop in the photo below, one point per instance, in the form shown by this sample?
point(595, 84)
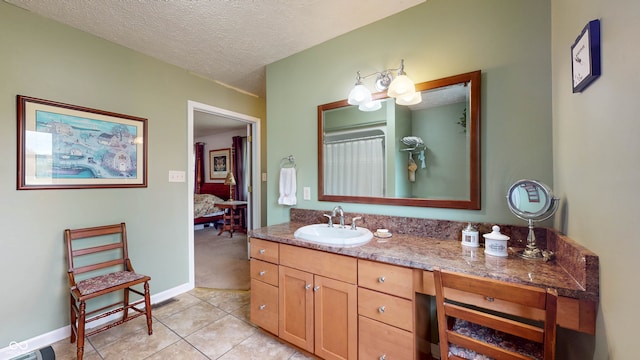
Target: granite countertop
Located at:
point(425, 253)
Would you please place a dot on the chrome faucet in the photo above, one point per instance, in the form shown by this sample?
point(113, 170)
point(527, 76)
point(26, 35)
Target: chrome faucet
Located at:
point(341, 212)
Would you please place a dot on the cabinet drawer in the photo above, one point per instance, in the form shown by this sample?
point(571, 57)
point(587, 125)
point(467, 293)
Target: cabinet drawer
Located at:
point(389, 309)
point(334, 266)
point(264, 306)
point(264, 250)
point(376, 340)
point(264, 271)
point(390, 279)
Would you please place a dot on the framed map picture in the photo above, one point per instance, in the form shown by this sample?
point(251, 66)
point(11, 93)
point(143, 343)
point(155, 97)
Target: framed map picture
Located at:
point(63, 146)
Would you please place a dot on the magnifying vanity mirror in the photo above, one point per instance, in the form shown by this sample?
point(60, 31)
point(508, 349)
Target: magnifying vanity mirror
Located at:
point(532, 200)
point(419, 155)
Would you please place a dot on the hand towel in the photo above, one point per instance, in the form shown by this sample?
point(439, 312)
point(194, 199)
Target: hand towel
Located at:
point(287, 186)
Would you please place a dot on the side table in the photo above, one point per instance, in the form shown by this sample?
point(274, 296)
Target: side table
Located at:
point(233, 216)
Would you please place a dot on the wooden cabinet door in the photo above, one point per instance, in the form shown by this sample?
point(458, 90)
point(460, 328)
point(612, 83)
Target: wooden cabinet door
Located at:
point(336, 319)
point(264, 306)
point(382, 341)
point(296, 307)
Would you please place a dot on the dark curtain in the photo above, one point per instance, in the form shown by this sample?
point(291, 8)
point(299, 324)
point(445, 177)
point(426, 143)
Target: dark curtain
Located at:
point(199, 171)
point(238, 169)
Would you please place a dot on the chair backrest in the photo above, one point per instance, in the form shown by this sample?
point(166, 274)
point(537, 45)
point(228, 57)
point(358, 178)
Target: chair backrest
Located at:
point(524, 311)
point(97, 249)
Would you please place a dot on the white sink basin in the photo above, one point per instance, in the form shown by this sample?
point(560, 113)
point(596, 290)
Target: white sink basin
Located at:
point(333, 235)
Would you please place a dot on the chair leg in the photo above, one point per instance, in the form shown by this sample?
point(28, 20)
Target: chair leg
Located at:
point(72, 316)
point(81, 320)
point(125, 304)
point(147, 307)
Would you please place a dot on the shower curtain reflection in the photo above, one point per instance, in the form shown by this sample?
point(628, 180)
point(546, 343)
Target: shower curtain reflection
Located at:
point(354, 168)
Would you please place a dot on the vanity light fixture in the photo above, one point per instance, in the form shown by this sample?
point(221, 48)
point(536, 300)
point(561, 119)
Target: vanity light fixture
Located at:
point(399, 87)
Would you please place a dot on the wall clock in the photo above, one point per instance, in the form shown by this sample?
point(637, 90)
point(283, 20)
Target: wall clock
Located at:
point(585, 57)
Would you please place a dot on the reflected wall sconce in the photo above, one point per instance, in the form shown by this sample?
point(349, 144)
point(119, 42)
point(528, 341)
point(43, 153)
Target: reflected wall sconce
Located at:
point(399, 87)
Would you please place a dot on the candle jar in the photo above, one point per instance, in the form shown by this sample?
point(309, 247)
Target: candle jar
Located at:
point(495, 243)
point(470, 236)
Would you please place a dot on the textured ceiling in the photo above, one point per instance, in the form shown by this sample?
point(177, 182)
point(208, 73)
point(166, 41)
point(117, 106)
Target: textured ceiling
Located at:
point(229, 41)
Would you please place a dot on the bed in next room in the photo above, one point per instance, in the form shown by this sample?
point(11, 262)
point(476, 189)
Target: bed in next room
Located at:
point(204, 204)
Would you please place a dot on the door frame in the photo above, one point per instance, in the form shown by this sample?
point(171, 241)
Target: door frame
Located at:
point(254, 198)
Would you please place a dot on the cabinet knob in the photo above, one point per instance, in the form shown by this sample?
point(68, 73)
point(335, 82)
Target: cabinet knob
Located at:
point(261, 273)
point(308, 286)
point(262, 251)
point(381, 279)
point(383, 357)
point(316, 288)
point(381, 309)
point(261, 307)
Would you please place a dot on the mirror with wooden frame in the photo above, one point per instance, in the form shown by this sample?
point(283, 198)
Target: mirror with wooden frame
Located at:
point(420, 155)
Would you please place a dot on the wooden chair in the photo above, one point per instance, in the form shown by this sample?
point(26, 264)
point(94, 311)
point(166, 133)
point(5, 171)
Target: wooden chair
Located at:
point(479, 316)
point(99, 264)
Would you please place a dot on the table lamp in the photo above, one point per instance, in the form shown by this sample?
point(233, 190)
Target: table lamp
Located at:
point(231, 181)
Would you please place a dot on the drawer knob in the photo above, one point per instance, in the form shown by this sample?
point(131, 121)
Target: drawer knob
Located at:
point(308, 286)
point(262, 251)
point(262, 273)
point(383, 357)
point(316, 288)
point(381, 279)
point(262, 307)
point(381, 309)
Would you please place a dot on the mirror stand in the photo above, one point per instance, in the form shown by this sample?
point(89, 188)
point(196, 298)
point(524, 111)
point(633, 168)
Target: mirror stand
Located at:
point(533, 201)
point(532, 251)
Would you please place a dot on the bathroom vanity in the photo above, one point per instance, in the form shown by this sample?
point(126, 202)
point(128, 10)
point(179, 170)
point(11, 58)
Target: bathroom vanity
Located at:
point(372, 301)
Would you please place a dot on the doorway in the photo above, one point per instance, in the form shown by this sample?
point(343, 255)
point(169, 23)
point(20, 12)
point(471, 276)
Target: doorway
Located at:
point(253, 130)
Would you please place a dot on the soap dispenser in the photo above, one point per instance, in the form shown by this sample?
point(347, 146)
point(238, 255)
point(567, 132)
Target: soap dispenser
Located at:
point(470, 236)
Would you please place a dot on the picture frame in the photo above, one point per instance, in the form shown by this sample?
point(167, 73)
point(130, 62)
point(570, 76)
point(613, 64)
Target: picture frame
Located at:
point(585, 57)
point(64, 146)
point(219, 163)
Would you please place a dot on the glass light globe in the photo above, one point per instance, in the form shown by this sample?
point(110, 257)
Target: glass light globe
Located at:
point(401, 86)
point(416, 98)
point(359, 95)
point(371, 106)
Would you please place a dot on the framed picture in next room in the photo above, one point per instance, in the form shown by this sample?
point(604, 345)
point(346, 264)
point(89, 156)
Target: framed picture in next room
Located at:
point(219, 163)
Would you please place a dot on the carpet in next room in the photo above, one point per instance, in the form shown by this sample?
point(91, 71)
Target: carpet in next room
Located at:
point(221, 261)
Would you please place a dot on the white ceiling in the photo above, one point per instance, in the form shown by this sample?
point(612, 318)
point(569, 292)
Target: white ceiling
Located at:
point(228, 41)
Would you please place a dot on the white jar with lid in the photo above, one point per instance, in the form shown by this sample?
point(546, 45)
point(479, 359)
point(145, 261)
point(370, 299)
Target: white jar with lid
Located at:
point(470, 236)
point(495, 243)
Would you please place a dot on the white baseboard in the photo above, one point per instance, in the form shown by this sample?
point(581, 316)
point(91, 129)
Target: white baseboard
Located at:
point(19, 348)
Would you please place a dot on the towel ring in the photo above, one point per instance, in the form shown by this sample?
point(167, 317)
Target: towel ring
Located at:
point(288, 161)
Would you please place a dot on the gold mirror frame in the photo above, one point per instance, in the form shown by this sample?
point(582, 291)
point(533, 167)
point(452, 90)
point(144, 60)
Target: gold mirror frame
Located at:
point(473, 203)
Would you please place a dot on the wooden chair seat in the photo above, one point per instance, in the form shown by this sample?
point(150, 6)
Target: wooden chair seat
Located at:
point(111, 282)
point(105, 268)
point(494, 337)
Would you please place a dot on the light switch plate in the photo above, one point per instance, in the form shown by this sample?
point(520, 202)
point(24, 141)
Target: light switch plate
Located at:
point(176, 176)
point(307, 193)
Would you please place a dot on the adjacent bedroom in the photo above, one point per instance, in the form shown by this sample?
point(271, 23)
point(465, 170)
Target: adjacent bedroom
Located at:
point(221, 202)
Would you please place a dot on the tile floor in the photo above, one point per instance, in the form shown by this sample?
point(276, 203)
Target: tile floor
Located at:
point(202, 324)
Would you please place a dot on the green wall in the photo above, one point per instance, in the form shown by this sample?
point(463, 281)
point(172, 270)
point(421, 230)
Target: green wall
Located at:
point(44, 59)
point(436, 39)
point(446, 156)
point(596, 167)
